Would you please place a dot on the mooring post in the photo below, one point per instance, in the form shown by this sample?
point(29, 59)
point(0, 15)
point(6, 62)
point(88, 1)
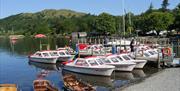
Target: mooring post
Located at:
point(158, 60)
point(95, 40)
point(99, 41)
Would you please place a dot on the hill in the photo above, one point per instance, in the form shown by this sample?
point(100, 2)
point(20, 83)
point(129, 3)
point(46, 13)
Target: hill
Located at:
point(25, 22)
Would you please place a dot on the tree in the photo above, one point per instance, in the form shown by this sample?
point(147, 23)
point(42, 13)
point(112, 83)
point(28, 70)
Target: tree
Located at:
point(150, 10)
point(165, 4)
point(177, 18)
point(43, 29)
point(157, 21)
point(105, 23)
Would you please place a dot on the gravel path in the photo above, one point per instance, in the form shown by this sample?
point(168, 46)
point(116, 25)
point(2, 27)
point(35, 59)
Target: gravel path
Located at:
point(167, 80)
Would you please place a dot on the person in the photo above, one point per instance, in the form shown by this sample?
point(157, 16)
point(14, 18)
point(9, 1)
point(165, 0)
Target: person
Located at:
point(105, 40)
point(132, 45)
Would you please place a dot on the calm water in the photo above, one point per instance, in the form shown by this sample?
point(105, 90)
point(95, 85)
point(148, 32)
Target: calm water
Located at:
point(15, 67)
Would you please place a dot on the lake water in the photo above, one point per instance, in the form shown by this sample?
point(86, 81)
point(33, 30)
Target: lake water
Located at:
point(15, 67)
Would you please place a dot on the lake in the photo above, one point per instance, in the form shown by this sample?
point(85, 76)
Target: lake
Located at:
point(15, 67)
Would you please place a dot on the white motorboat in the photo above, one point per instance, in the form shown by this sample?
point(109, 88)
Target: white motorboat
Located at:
point(92, 50)
point(127, 57)
point(69, 49)
point(64, 55)
point(44, 57)
point(120, 65)
point(146, 55)
point(89, 66)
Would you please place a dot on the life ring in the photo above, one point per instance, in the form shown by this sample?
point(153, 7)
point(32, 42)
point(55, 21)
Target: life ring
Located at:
point(166, 51)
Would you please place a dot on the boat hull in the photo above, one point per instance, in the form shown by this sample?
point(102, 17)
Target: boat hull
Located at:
point(91, 71)
point(140, 63)
point(154, 59)
point(65, 58)
point(43, 60)
point(129, 67)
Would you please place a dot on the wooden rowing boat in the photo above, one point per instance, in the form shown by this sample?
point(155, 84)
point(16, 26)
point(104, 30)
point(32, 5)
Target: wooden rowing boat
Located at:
point(43, 85)
point(71, 83)
point(8, 87)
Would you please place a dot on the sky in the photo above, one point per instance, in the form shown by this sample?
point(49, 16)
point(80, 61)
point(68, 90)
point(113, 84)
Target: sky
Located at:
point(114, 7)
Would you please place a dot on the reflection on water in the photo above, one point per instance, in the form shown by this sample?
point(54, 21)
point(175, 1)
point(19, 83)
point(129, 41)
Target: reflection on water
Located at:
point(138, 73)
point(44, 66)
point(17, 69)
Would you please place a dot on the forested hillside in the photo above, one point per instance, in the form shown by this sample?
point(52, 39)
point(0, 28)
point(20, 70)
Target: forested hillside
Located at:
point(66, 21)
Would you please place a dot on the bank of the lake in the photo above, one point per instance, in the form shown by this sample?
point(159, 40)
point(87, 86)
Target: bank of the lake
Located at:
point(166, 80)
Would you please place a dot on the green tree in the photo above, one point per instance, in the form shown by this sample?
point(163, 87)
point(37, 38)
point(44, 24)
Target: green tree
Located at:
point(43, 29)
point(105, 23)
point(165, 4)
point(150, 10)
point(177, 18)
point(157, 21)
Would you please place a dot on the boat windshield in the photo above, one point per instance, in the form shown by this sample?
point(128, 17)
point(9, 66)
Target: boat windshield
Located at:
point(61, 53)
point(81, 63)
point(119, 58)
point(155, 52)
point(38, 54)
point(150, 52)
point(126, 57)
point(67, 53)
point(115, 60)
point(106, 60)
point(147, 55)
point(99, 61)
point(130, 56)
point(45, 54)
point(93, 62)
point(54, 54)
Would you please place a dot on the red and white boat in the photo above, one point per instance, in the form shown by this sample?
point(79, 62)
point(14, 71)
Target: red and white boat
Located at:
point(44, 57)
point(127, 57)
point(89, 66)
point(51, 56)
point(92, 50)
point(120, 65)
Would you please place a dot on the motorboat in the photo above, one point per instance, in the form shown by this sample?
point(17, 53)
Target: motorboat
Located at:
point(89, 66)
point(146, 55)
point(51, 56)
point(43, 85)
point(120, 65)
point(69, 49)
point(8, 87)
point(44, 56)
point(64, 55)
point(127, 57)
point(94, 80)
point(92, 50)
point(73, 84)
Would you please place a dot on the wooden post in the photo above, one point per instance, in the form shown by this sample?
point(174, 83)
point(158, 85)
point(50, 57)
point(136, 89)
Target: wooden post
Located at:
point(95, 40)
point(78, 40)
point(158, 61)
point(90, 40)
point(85, 40)
point(99, 41)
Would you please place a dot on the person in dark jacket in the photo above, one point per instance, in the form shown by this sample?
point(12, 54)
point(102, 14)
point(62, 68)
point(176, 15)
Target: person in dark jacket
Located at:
point(132, 45)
